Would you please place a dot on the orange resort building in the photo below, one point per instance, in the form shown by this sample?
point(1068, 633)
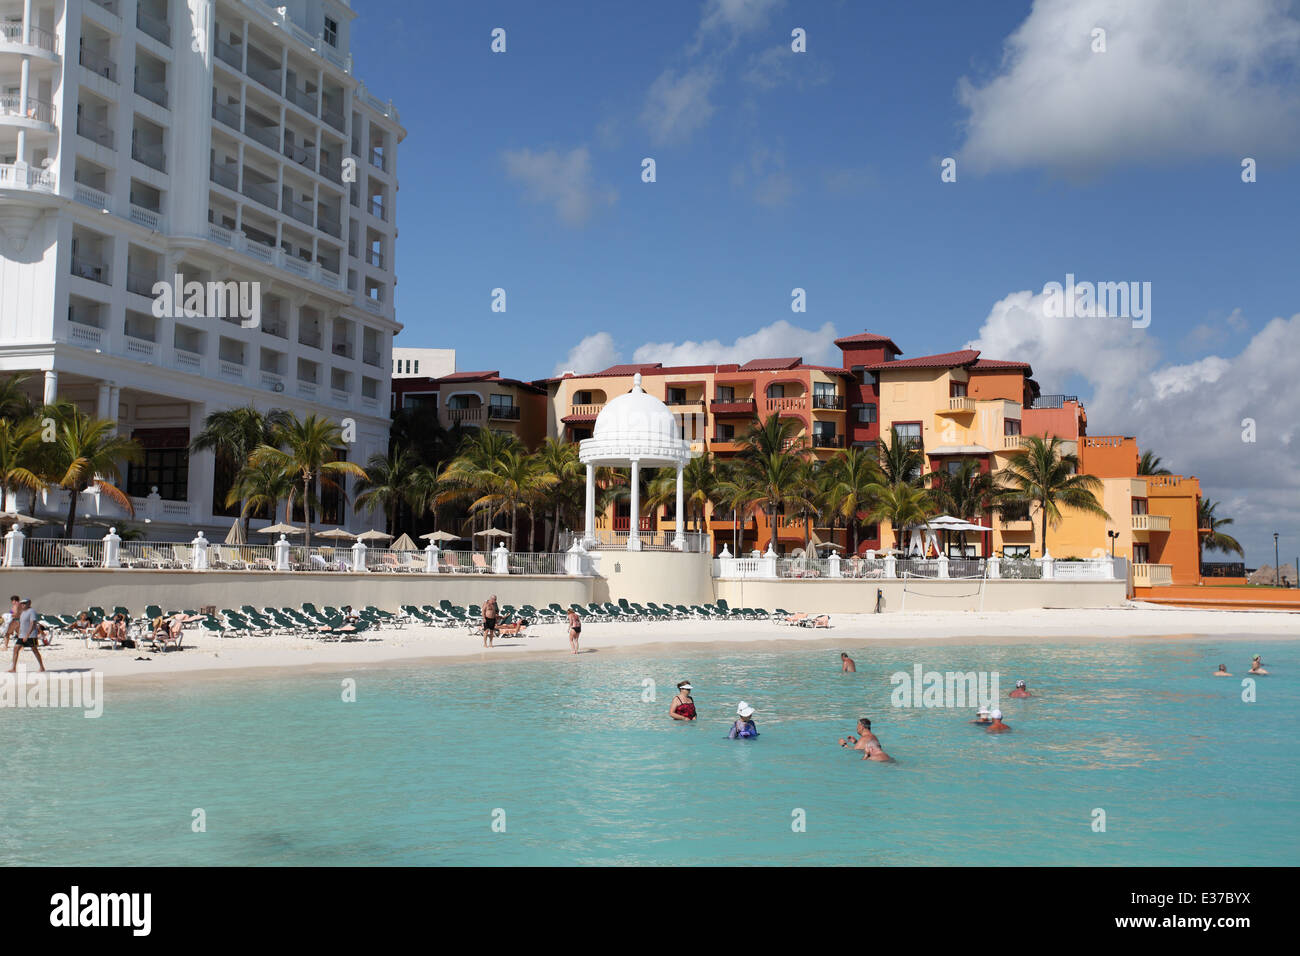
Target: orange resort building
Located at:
point(954, 407)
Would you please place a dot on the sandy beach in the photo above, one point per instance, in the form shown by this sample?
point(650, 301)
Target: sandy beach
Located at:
point(204, 653)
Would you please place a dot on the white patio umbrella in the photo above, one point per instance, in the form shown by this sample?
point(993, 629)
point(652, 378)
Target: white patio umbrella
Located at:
point(336, 533)
point(440, 536)
point(492, 533)
point(279, 529)
point(373, 535)
point(14, 517)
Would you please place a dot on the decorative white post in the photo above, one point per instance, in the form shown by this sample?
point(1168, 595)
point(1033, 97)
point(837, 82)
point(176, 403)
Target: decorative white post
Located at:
point(153, 503)
point(200, 545)
point(501, 559)
point(679, 539)
point(1049, 566)
point(589, 514)
point(14, 548)
point(994, 566)
point(431, 558)
point(891, 566)
point(943, 565)
point(834, 562)
point(359, 556)
point(112, 549)
point(282, 554)
point(634, 519)
point(767, 565)
point(575, 559)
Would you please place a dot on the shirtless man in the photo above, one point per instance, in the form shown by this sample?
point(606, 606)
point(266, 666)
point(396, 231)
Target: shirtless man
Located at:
point(11, 619)
point(846, 664)
point(1020, 691)
point(489, 620)
point(865, 738)
point(1222, 671)
point(997, 726)
point(1257, 666)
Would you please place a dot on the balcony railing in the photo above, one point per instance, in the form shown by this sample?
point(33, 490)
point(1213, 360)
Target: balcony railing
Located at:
point(377, 210)
point(160, 30)
point(1013, 442)
point(961, 403)
point(152, 156)
point(342, 349)
point(109, 5)
point(503, 413)
point(153, 90)
point(331, 226)
point(334, 118)
point(1150, 522)
point(828, 401)
point(457, 415)
point(797, 403)
point(375, 258)
point(827, 441)
point(266, 135)
point(229, 53)
point(300, 155)
point(95, 131)
point(98, 63)
point(1153, 575)
point(227, 114)
point(141, 283)
point(224, 175)
point(270, 78)
point(1054, 401)
point(298, 211)
point(586, 410)
point(13, 33)
point(742, 406)
point(370, 357)
point(378, 160)
point(261, 192)
point(302, 99)
point(91, 269)
point(11, 104)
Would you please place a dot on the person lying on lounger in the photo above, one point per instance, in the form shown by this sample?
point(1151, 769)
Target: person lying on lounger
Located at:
point(513, 629)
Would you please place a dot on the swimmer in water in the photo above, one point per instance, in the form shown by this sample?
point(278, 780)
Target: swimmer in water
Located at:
point(982, 717)
point(865, 739)
point(1020, 690)
point(1222, 671)
point(997, 726)
point(683, 705)
point(846, 664)
point(744, 725)
point(1257, 666)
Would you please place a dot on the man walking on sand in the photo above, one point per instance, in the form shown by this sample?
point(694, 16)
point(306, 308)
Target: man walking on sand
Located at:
point(27, 634)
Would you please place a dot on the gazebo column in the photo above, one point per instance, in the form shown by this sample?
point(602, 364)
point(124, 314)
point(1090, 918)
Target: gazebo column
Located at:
point(589, 518)
point(679, 539)
point(634, 521)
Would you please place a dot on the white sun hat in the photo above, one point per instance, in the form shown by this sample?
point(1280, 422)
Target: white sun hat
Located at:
point(744, 710)
point(983, 711)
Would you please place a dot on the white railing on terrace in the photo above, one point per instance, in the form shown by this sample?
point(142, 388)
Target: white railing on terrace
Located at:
point(12, 104)
point(770, 566)
point(605, 539)
point(37, 37)
point(24, 176)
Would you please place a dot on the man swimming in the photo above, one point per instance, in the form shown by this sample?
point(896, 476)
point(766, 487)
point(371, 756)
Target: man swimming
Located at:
point(865, 738)
point(1222, 671)
point(1257, 666)
point(1020, 691)
point(997, 726)
point(846, 664)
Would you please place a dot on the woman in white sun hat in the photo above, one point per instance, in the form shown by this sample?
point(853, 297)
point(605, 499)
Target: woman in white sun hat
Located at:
point(744, 725)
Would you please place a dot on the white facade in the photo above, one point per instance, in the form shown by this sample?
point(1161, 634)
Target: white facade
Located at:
point(423, 363)
point(216, 140)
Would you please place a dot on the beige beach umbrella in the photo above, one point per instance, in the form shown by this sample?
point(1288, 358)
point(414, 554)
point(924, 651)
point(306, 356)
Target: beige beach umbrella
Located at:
point(440, 536)
point(336, 534)
point(404, 543)
point(373, 535)
point(14, 517)
point(280, 529)
point(236, 533)
point(492, 533)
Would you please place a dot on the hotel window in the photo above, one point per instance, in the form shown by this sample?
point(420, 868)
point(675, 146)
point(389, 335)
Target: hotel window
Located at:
point(582, 398)
point(776, 391)
point(1141, 554)
point(725, 433)
point(824, 435)
point(1140, 506)
point(417, 366)
point(867, 414)
point(166, 469)
point(957, 389)
point(869, 447)
point(726, 393)
point(676, 396)
point(1015, 551)
point(331, 31)
point(458, 401)
point(909, 432)
point(1015, 511)
point(1011, 426)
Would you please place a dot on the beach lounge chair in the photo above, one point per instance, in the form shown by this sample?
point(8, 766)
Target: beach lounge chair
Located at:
point(480, 564)
point(78, 555)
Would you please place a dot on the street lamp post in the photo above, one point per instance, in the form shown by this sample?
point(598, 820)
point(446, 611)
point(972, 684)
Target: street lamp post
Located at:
point(1112, 535)
point(1277, 572)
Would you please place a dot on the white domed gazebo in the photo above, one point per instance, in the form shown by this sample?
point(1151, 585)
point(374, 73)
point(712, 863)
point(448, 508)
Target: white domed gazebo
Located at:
point(634, 429)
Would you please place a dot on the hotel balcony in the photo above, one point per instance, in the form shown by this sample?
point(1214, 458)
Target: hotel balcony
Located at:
point(1150, 522)
point(785, 406)
point(585, 411)
point(95, 131)
point(458, 416)
point(830, 402)
point(90, 268)
point(156, 27)
point(827, 441)
point(741, 407)
point(503, 413)
point(1013, 442)
point(33, 112)
point(39, 42)
point(959, 405)
point(98, 63)
point(1153, 575)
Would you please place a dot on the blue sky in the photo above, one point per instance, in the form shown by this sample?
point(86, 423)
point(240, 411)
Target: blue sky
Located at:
point(821, 170)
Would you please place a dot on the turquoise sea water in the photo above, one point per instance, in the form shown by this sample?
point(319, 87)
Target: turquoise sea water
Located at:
point(586, 772)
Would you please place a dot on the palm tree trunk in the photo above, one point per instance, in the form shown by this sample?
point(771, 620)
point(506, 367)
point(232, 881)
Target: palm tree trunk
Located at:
point(73, 495)
point(1044, 512)
point(306, 512)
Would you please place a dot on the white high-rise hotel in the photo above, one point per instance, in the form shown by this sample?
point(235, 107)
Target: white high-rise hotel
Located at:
point(215, 139)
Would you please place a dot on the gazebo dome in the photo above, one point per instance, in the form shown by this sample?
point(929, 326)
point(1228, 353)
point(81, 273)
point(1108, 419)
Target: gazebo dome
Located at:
point(635, 427)
point(636, 413)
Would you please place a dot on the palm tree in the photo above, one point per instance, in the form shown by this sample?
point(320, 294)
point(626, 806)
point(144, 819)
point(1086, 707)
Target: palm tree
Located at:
point(1149, 464)
point(390, 482)
point(516, 481)
point(967, 493)
point(901, 504)
point(469, 476)
point(260, 488)
point(849, 476)
point(900, 460)
point(738, 492)
point(699, 489)
point(769, 466)
point(566, 495)
point(234, 434)
point(14, 403)
point(306, 449)
point(20, 467)
point(86, 451)
point(1208, 536)
point(1043, 475)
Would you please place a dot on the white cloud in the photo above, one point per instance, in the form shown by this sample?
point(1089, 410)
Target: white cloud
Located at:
point(1190, 414)
point(1179, 79)
point(592, 354)
point(737, 16)
point(765, 176)
point(560, 179)
point(778, 340)
point(779, 65)
point(676, 105)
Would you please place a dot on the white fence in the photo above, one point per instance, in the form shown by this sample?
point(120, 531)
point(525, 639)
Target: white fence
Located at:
point(772, 566)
